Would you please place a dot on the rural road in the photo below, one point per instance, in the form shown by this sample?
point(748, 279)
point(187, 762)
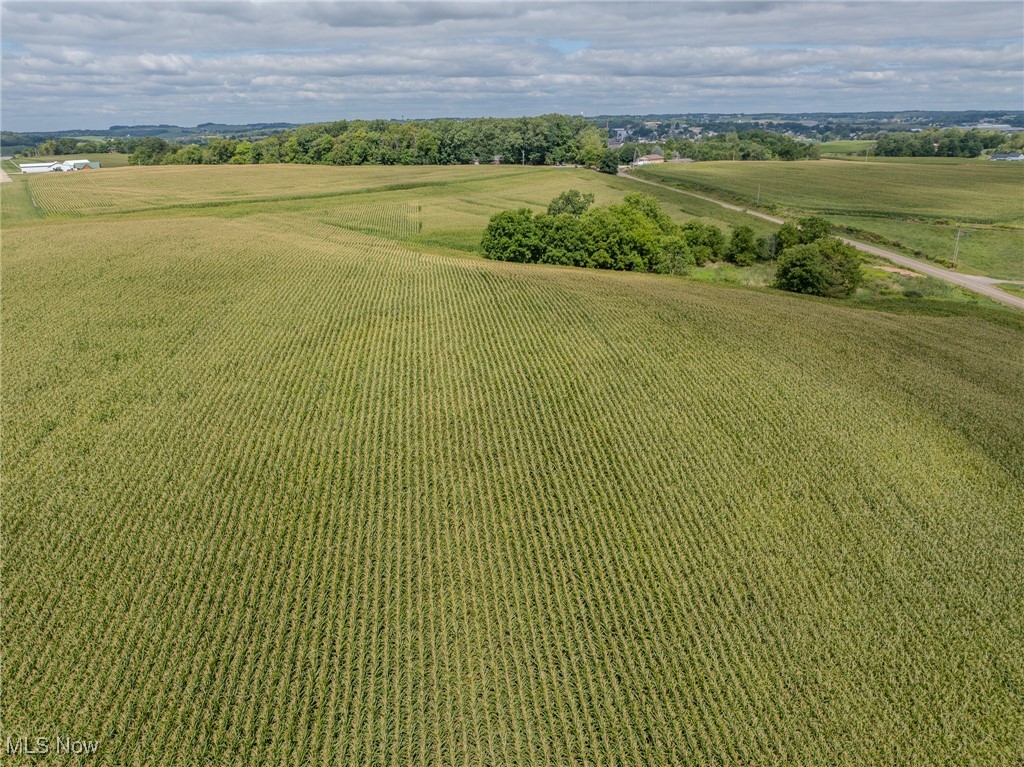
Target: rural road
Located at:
point(985, 286)
point(4, 178)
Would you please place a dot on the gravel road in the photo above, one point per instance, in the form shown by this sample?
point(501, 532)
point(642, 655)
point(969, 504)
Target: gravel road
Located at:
point(985, 286)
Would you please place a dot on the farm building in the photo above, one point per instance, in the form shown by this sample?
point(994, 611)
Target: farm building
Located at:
point(50, 167)
point(39, 167)
point(1012, 157)
point(78, 164)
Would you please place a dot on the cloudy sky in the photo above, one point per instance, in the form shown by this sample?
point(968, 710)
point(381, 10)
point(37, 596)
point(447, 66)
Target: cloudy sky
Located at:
point(94, 64)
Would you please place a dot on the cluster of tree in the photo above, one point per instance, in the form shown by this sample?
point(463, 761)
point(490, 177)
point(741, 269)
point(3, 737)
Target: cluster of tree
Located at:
point(546, 140)
point(951, 142)
point(1012, 143)
point(154, 150)
point(639, 236)
point(812, 261)
point(634, 236)
point(150, 151)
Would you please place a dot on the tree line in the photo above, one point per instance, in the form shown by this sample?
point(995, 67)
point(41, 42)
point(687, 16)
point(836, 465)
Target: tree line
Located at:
point(546, 140)
point(638, 235)
point(951, 142)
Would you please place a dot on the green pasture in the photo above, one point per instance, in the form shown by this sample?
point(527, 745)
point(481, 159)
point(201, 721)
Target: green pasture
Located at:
point(991, 250)
point(850, 147)
point(1013, 287)
point(912, 204)
point(863, 150)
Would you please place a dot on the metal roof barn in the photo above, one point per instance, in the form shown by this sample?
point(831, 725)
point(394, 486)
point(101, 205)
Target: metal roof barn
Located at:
point(39, 167)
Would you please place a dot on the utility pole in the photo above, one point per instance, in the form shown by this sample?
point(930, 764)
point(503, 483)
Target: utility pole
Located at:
point(956, 248)
point(758, 195)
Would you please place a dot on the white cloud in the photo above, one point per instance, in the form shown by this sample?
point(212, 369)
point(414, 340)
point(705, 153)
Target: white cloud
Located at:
point(78, 64)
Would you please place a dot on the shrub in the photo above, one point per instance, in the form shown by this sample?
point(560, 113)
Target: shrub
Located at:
point(842, 263)
point(827, 267)
point(511, 235)
point(768, 248)
point(649, 208)
point(676, 255)
point(743, 249)
point(572, 202)
point(801, 270)
point(706, 241)
point(788, 236)
point(813, 228)
point(609, 163)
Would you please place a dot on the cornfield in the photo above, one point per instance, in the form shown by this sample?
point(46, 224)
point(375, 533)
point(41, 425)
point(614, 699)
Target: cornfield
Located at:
point(283, 487)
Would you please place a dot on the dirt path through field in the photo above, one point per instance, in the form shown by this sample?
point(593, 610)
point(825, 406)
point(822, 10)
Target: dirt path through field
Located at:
point(982, 285)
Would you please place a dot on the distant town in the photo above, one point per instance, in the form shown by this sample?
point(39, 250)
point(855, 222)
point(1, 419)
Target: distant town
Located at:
point(815, 126)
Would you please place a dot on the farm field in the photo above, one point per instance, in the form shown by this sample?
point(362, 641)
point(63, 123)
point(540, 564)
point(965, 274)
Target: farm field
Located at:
point(299, 479)
point(132, 190)
point(16, 204)
point(981, 160)
point(854, 150)
point(466, 195)
point(847, 148)
point(916, 204)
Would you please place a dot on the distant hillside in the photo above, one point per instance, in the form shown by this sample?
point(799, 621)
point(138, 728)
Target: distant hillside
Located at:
point(14, 143)
point(822, 126)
